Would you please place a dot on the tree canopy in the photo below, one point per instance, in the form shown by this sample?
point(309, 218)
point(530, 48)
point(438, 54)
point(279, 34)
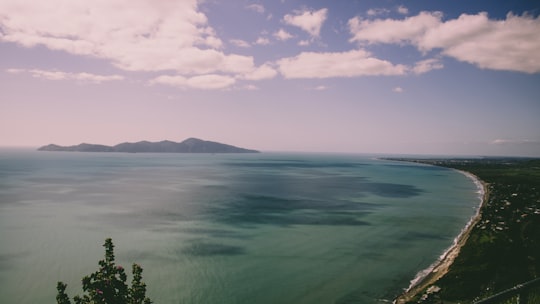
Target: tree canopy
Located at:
point(108, 284)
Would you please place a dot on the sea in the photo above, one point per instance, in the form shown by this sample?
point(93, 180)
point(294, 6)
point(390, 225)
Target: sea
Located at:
point(286, 228)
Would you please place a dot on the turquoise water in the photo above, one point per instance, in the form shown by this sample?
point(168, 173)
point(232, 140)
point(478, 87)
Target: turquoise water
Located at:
point(243, 228)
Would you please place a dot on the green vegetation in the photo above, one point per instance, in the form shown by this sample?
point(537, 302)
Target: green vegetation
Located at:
point(108, 284)
point(503, 249)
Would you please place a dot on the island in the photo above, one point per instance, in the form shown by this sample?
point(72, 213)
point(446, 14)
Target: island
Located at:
point(190, 145)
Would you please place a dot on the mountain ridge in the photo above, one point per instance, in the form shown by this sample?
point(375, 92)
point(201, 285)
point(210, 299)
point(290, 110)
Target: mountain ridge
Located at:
point(190, 145)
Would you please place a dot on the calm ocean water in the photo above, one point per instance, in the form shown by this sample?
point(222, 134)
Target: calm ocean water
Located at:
point(245, 228)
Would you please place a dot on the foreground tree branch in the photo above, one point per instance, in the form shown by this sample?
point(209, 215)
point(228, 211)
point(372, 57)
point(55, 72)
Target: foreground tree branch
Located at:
point(108, 284)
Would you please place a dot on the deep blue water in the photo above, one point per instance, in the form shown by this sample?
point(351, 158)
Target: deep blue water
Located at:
point(238, 228)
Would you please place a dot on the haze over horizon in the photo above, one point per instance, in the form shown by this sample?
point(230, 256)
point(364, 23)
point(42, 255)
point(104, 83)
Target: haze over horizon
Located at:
point(395, 77)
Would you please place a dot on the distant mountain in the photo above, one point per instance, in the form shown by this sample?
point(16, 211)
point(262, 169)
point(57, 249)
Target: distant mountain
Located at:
point(190, 145)
point(78, 148)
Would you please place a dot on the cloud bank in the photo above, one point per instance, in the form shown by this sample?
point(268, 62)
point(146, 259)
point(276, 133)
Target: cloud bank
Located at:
point(207, 82)
point(345, 64)
point(175, 39)
point(59, 75)
point(512, 44)
point(134, 35)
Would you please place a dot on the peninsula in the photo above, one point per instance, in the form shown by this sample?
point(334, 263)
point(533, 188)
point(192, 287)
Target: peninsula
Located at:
point(190, 145)
point(500, 249)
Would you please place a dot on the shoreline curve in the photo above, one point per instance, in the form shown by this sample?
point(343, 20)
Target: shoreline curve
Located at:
point(439, 268)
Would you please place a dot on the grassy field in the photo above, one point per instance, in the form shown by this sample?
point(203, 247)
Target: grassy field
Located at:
point(503, 248)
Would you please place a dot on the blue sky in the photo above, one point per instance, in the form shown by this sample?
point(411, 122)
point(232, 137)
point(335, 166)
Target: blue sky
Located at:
point(399, 77)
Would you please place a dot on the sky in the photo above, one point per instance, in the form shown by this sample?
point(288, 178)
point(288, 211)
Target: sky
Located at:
point(365, 76)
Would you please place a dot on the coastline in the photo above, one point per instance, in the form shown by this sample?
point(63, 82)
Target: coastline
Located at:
point(439, 268)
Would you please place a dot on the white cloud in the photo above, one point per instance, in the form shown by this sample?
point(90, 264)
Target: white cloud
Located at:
point(282, 35)
point(135, 35)
point(512, 44)
point(372, 12)
point(204, 82)
point(377, 11)
point(59, 75)
point(262, 41)
point(398, 90)
point(96, 78)
point(265, 71)
point(49, 75)
point(500, 141)
point(251, 87)
point(259, 8)
point(304, 42)
point(15, 71)
point(402, 10)
point(427, 65)
point(309, 21)
point(240, 43)
point(392, 31)
point(345, 64)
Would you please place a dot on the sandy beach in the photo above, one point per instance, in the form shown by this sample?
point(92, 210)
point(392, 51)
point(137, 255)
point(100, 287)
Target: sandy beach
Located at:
point(432, 274)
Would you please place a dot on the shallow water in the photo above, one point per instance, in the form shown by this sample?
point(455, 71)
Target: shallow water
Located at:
point(239, 228)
